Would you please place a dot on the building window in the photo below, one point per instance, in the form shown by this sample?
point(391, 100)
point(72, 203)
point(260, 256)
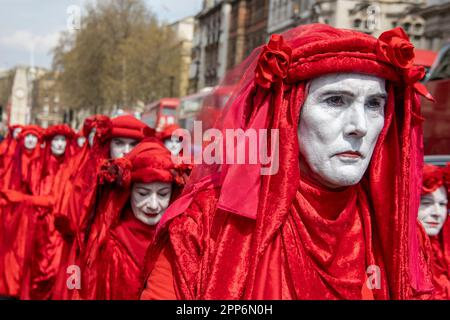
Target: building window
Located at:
point(357, 23)
point(407, 26)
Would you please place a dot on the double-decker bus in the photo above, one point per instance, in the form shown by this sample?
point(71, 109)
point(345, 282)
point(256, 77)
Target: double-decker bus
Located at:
point(161, 113)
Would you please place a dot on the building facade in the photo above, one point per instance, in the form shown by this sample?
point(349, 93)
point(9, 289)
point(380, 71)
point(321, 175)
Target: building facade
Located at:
point(248, 28)
point(184, 31)
point(371, 17)
point(436, 17)
point(211, 42)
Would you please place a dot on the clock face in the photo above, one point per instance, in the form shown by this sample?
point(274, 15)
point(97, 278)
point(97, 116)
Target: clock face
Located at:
point(20, 93)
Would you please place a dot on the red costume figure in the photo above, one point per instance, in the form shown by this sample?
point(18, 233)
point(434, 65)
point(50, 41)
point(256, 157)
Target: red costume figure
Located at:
point(236, 233)
point(433, 214)
point(7, 148)
point(21, 182)
point(74, 214)
point(136, 192)
point(44, 252)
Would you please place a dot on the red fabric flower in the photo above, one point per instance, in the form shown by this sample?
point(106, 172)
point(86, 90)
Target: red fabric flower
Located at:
point(432, 178)
point(273, 62)
point(394, 47)
point(116, 171)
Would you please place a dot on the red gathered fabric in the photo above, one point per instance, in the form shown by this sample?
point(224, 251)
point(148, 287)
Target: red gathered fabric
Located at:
point(44, 241)
point(21, 182)
point(117, 243)
point(433, 178)
point(234, 239)
point(73, 207)
point(129, 127)
point(167, 132)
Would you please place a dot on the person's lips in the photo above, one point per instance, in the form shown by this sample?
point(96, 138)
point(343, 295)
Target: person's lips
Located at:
point(350, 154)
point(433, 224)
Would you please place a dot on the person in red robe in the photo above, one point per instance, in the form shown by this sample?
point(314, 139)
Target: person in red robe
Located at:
point(7, 148)
point(433, 214)
point(112, 138)
point(44, 252)
point(333, 215)
point(137, 190)
point(21, 181)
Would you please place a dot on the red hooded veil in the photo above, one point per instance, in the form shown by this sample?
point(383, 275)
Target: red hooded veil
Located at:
point(117, 244)
point(433, 178)
point(45, 242)
point(21, 182)
point(237, 234)
point(75, 212)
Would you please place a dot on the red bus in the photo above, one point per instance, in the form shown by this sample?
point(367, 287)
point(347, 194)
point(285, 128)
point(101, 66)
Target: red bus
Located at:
point(437, 115)
point(161, 113)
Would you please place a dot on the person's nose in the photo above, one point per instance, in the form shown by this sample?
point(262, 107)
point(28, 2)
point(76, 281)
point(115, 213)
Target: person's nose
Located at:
point(152, 203)
point(128, 147)
point(356, 120)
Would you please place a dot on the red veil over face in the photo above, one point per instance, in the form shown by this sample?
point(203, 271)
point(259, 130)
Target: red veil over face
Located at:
point(231, 223)
point(433, 178)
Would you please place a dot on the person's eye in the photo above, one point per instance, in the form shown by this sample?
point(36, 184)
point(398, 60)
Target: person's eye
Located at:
point(142, 194)
point(375, 103)
point(426, 203)
point(443, 203)
point(335, 101)
point(163, 194)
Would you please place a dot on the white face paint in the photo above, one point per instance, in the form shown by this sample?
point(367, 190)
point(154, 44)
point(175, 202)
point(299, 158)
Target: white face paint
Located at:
point(91, 136)
point(30, 141)
point(58, 145)
point(433, 211)
point(121, 146)
point(340, 122)
point(149, 201)
point(173, 144)
point(16, 132)
point(81, 141)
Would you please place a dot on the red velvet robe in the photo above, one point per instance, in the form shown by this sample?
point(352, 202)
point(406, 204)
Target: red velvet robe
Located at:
point(321, 251)
point(441, 263)
point(46, 249)
point(72, 216)
point(15, 225)
point(120, 258)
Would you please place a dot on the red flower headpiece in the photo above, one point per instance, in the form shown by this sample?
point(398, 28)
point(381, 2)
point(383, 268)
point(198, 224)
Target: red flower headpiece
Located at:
point(432, 178)
point(116, 172)
point(393, 48)
point(273, 62)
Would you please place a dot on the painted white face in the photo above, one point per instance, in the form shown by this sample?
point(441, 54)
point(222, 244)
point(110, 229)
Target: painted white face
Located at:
point(340, 122)
point(30, 141)
point(149, 201)
point(121, 146)
point(16, 132)
point(58, 145)
point(81, 141)
point(173, 144)
point(91, 136)
point(433, 211)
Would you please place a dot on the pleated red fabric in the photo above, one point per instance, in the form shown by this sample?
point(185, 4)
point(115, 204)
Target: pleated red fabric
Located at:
point(433, 178)
point(236, 234)
point(117, 244)
point(75, 212)
point(21, 182)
